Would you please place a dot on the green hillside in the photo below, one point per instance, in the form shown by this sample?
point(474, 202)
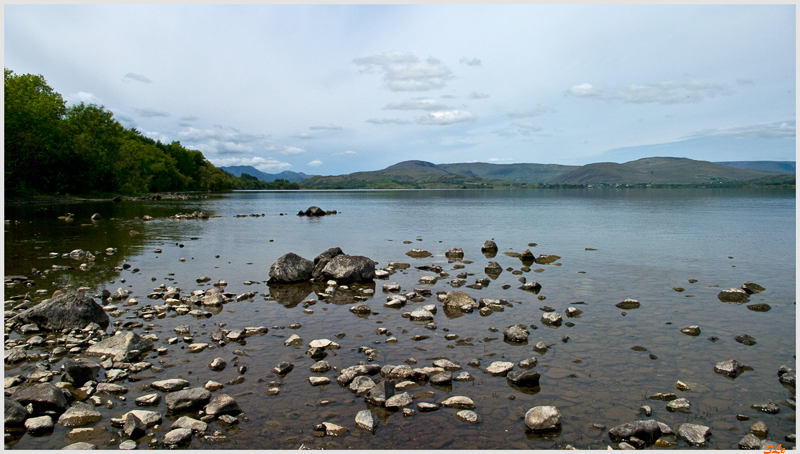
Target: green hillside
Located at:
point(517, 173)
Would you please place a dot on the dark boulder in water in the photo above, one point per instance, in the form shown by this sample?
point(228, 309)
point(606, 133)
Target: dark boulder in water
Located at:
point(72, 310)
point(349, 268)
point(322, 260)
point(290, 268)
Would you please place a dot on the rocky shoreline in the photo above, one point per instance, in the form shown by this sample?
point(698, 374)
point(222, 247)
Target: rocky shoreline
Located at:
point(81, 356)
point(45, 200)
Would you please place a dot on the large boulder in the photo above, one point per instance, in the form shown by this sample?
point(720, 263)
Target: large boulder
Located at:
point(15, 413)
point(648, 430)
point(222, 404)
point(43, 397)
point(321, 260)
point(187, 399)
point(124, 346)
point(79, 415)
point(73, 310)
point(459, 300)
point(314, 211)
point(79, 371)
point(290, 268)
point(349, 268)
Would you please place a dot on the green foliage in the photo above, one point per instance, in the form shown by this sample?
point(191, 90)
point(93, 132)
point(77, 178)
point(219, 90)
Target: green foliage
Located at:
point(52, 149)
point(249, 182)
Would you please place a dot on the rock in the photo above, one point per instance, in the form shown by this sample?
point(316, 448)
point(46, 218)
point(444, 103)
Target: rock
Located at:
point(222, 404)
point(543, 419)
point(283, 368)
point(544, 259)
point(693, 330)
point(361, 385)
point(489, 246)
point(648, 430)
point(123, 346)
point(733, 295)
point(760, 307)
point(458, 402)
point(468, 416)
point(134, 427)
point(787, 376)
point(769, 407)
point(185, 422)
point(441, 379)
point(128, 445)
point(730, 368)
point(294, 339)
point(680, 404)
point(79, 415)
point(361, 309)
point(366, 420)
point(693, 433)
point(177, 437)
point(217, 364)
point(322, 260)
point(320, 367)
point(334, 430)
point(528, 363)
point(213, 386)
point(750, 441)
point(628, 304)
point(454, 254)
point(187, 399)
point(42, 397)
point(745, 339)
point(534, 287)
point(759, 429)
point(499, 368)
point(319, 381)
point(427, 406)
point(551, 318)
point(79, 371)
point(149, 400)
point(39, 424)
point(290, 268)
point(418, 253)
point(349, 268)
point(540, 347)
point(751, 287)
point(457, 300)
point(173, 384)
point(72, 310)
point(515, 333)
point(313, 211)
point(421, 314)
point(80, 446)
point(15, 413)
point(399, 401)
point(149, 418)
point(527, 378)
point(446, 364)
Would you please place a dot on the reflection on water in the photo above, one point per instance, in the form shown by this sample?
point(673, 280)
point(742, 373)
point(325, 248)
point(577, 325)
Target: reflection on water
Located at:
point(612, 245)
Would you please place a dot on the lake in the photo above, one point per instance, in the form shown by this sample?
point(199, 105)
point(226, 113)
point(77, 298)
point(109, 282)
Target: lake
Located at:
point(673, 250)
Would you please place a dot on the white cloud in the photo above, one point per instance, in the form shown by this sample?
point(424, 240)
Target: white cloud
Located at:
point(83, 97)
point(763, 131)
point(315, 163)
point(417, 104)
point(538, 111)
point(155, 136)
point(584, 90)
point(527, 129)
point(470, 61)
point(345, 153)
point(149, 113)
point(262, 164)
point(136, 77)
point(447, 117)
point(285, 150)
point(404, 71)
point(388, 121)
point(331, 127)
point(476, 95)
point(499, 159)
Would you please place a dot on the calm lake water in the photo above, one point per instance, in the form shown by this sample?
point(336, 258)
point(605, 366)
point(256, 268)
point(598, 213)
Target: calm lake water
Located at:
point(613, 243)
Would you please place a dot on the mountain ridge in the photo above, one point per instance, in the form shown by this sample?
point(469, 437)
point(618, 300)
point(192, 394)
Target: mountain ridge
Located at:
point(293, 177)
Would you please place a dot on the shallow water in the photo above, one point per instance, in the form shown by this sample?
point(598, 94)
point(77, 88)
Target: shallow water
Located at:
point(645, 243)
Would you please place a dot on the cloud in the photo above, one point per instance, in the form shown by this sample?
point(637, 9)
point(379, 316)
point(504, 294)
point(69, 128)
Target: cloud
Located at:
point(499, 159)
point(656, 93)
point(583, 91)
point(388, 121)
point(470, 61)
point(447, 117)
point(476, 95)
point(785, 129)
point(448, 97)
point(404, 71)
point(330, 127)
point(527, 129)
point(315, 163)
point(262, 164)
point(285, 150)
point(83, 97)
point(221, 140)
point(187, 121)
point(151, 113)
point(345, 153)
point(538, 111)
point(303, 136)
point(155, 136)
point(417, 104)
point(136, 77)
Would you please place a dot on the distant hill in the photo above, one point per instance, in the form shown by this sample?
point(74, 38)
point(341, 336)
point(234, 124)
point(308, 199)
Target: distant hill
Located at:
point(294, 177)
point(657, 170)
point(766, 166)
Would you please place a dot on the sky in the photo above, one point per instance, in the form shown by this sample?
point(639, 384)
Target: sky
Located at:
point(334, 89)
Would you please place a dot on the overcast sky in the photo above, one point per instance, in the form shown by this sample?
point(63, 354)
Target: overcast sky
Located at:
point(336, 89)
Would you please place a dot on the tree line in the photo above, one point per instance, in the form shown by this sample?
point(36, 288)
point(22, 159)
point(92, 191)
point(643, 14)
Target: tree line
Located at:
point(57, 150)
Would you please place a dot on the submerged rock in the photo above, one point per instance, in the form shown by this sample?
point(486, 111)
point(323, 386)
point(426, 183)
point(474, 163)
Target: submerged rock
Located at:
point(527, 378)
point(516, 333)
point(648, 430)
point(628, 304)
point(733, 295)
point(745, 339)
point(468, 416)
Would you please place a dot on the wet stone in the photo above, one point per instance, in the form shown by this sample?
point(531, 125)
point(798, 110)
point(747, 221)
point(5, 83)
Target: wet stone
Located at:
point(283, 368)
point(693, 330)
point(730, 368)
point(499, 368)
point(693, 433)
point(174, 384)
point(543, 419)
point(770, 407)
point(366, 420)
point(750, 441)
point(745, 339)
point(680, 404)
point(524, 378)
point(177, 436)
point(149, 400)
point(458, 402)
point(468, 416)
point(759, 429)
point(39, 424)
